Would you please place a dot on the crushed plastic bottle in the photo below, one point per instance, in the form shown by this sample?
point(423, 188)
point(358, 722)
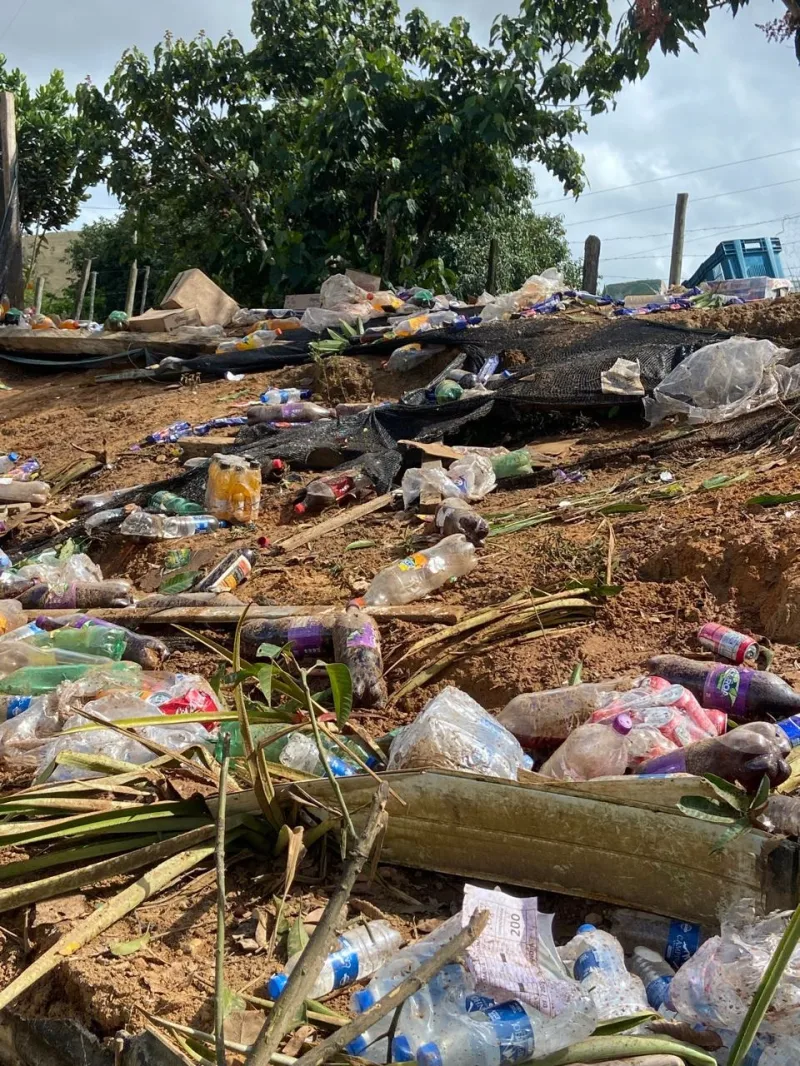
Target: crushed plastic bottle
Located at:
point(421, 573)
point(455, 515)
point(233, 489)
point(327, 491)
point(673, 940)
point(656, 975)
point(471, 477)
point(298, 411)
point(598, 963)
point(357, 644)
point(359, 953)
point(453, 732)
point(169, 435)
point(596, 749)
point(163, 527)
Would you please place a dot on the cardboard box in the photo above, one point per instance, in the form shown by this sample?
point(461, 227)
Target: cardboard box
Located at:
point(153, 321)
point(191, 288)
point(368, 282)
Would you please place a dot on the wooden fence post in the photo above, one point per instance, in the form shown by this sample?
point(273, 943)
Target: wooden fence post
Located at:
point(11, 274)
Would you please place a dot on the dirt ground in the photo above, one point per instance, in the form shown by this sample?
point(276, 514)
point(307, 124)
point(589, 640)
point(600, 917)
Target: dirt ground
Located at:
point(697, 556)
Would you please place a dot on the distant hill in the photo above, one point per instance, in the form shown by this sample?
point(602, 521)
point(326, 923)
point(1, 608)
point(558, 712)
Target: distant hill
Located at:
point(53, 261)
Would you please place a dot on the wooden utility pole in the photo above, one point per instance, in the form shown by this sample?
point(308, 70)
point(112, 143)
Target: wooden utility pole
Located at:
point(491, 266)
point(92, 290)
point(37, 303)
point(87, 270)
point(678, 230)
point(11, 276)
point(145, 283)
point(591, 264)
point(131, 293)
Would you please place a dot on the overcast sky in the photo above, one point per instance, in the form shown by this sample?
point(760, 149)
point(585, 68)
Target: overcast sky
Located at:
point(734, 100)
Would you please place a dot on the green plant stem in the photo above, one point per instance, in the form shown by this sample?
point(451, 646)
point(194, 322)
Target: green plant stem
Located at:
point(309, 702)
point(219, 967)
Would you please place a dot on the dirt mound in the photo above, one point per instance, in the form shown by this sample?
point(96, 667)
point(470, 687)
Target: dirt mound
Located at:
point(777, 320)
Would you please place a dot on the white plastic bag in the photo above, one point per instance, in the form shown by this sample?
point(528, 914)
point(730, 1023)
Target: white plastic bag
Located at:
point(537, 288)
point(719, 382)
point(338, 291)
point(454, 732)
point(318, 319)
point(472, 478)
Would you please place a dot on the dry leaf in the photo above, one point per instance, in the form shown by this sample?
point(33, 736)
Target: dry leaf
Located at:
point(706, 1039)
point(187, 785)
point(243, 1026)
point(315, 916)
point(294, 1045)
point(251, 934)
point(294, 853)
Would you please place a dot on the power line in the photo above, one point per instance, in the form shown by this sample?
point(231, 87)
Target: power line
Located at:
point(695, 229)
point(668, 177)
point(693, 240)
point(15, 16)
point(695, 200)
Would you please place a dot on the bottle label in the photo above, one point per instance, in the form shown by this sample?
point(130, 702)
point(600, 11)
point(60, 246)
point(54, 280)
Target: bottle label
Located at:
point(238, 572)
point(726, 688)
point(306, 640)
point(658, 991)
point(514, 1032)
point(18, 704)
point(365, 637)
point(476, 1002)
point(585, 964)
point(413, 562)
point(344, 964)
point(683, 940)
point(791, 727)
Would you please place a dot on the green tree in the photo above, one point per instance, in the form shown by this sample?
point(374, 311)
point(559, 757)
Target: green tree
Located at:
point(59, 155)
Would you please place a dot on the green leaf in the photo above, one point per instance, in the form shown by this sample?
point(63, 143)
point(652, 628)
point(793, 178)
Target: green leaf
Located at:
point(297, 938)
point(264, 678)
point(129, 947)
point(342, 688)
point(355, 545)
point(577, 673)
point(622, 508)
point(772, 499)
point(621, 1025)
point(730, 834)
point(231, 1001)
point(762, 795)
point(720, 481)
point(707, 810)
point(177, 582)
point(730, 793)
point(268, 651)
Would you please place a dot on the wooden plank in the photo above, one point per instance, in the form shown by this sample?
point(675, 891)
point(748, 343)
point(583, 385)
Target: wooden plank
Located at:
point(84, 344)
point(200, 447)
point(11, 275)
point(642, 854)
point(343, 518)
point(436, 450)
point(229, 615)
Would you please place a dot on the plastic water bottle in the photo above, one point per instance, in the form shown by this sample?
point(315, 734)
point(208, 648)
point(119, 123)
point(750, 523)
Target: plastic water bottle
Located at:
point(172, 504)
point(12, 491)
point(673, 940)
point(5, 561)
point(302, 753)
point(598, 963)
point(7, 462)
point(165, 527)
point(12, 616)
point(455, 515)
point(421, 573)
point(274, 396)
point(360, 952)
point(656, 976)
point(596, 749)
point(297, 411)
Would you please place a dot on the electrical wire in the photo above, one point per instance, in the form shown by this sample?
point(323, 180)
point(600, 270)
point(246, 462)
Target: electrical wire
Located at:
point(14, 17)
point(695, 229)
point(681, 174)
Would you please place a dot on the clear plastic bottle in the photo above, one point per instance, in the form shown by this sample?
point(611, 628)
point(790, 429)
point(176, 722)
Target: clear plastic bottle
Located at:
point(455, 515)
point(656, 976)
point(23, 491)
point(279, 396)
point(7, 462)
point(233, 489)
point(596, 749)
point(39, 680)
point(673, 940)
point(103, 499)
point(327, 491)
point(299, 411)
point(170, 503)
point(105, 518)
point(5, 562)
point(421, 573)
point(359, 953)
point(89, 640)
point(513, 464)
point(301, 753)
point(12, 616)
point(17, 654)
point(598, 963)
point(165, 527)
point(149, 652)
point(412, 355)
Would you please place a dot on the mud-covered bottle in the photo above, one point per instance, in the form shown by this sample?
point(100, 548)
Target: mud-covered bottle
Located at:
point(77, 594)
point(324, 492)
point(357, 644)
point(455, 515)
point(297, 411)
point(537, 717)
point(737, 690)
point(307, 635)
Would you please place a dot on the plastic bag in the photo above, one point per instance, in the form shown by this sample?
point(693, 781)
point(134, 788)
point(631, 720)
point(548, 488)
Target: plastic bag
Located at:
point(471, 478)
point(454, 732)
point(537, 288)
point(719, 382)
point(318, 319)
point(338, 291)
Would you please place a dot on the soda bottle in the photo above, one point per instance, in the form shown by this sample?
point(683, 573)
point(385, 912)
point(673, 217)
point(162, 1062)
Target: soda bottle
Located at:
point(228, 574)
point(537, 717)
point(90, 640)
point(279, 396)
point(670, 938)
point(307, 635)
point(233, 489)
point(359, 953)
point(455, 515)
point(421, 573)
point(729, 645)
point(149, 652)
point(596, 749)
point(326, 491)
point(81, 594)
point(34, 492)
point(745, 756)
point(298, 411)
point(513, 464)
point(7, 462)
point(39, 680)
point(738, 690)
point(166, 527)
point(12, 616)
point(598, 963)
point(356, 643)
point(170, 503)
point(409, 356)
point(656, 976)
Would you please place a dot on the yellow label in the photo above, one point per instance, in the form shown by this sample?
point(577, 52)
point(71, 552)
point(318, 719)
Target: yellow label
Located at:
point(413, 562)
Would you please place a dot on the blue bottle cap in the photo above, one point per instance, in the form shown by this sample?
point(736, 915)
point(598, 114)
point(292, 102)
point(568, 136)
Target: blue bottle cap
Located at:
point(401, 1049)
point(587, 928)
point(357, 1046)
point(276, 984)
point(362, 1000)
point(429, 1055)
